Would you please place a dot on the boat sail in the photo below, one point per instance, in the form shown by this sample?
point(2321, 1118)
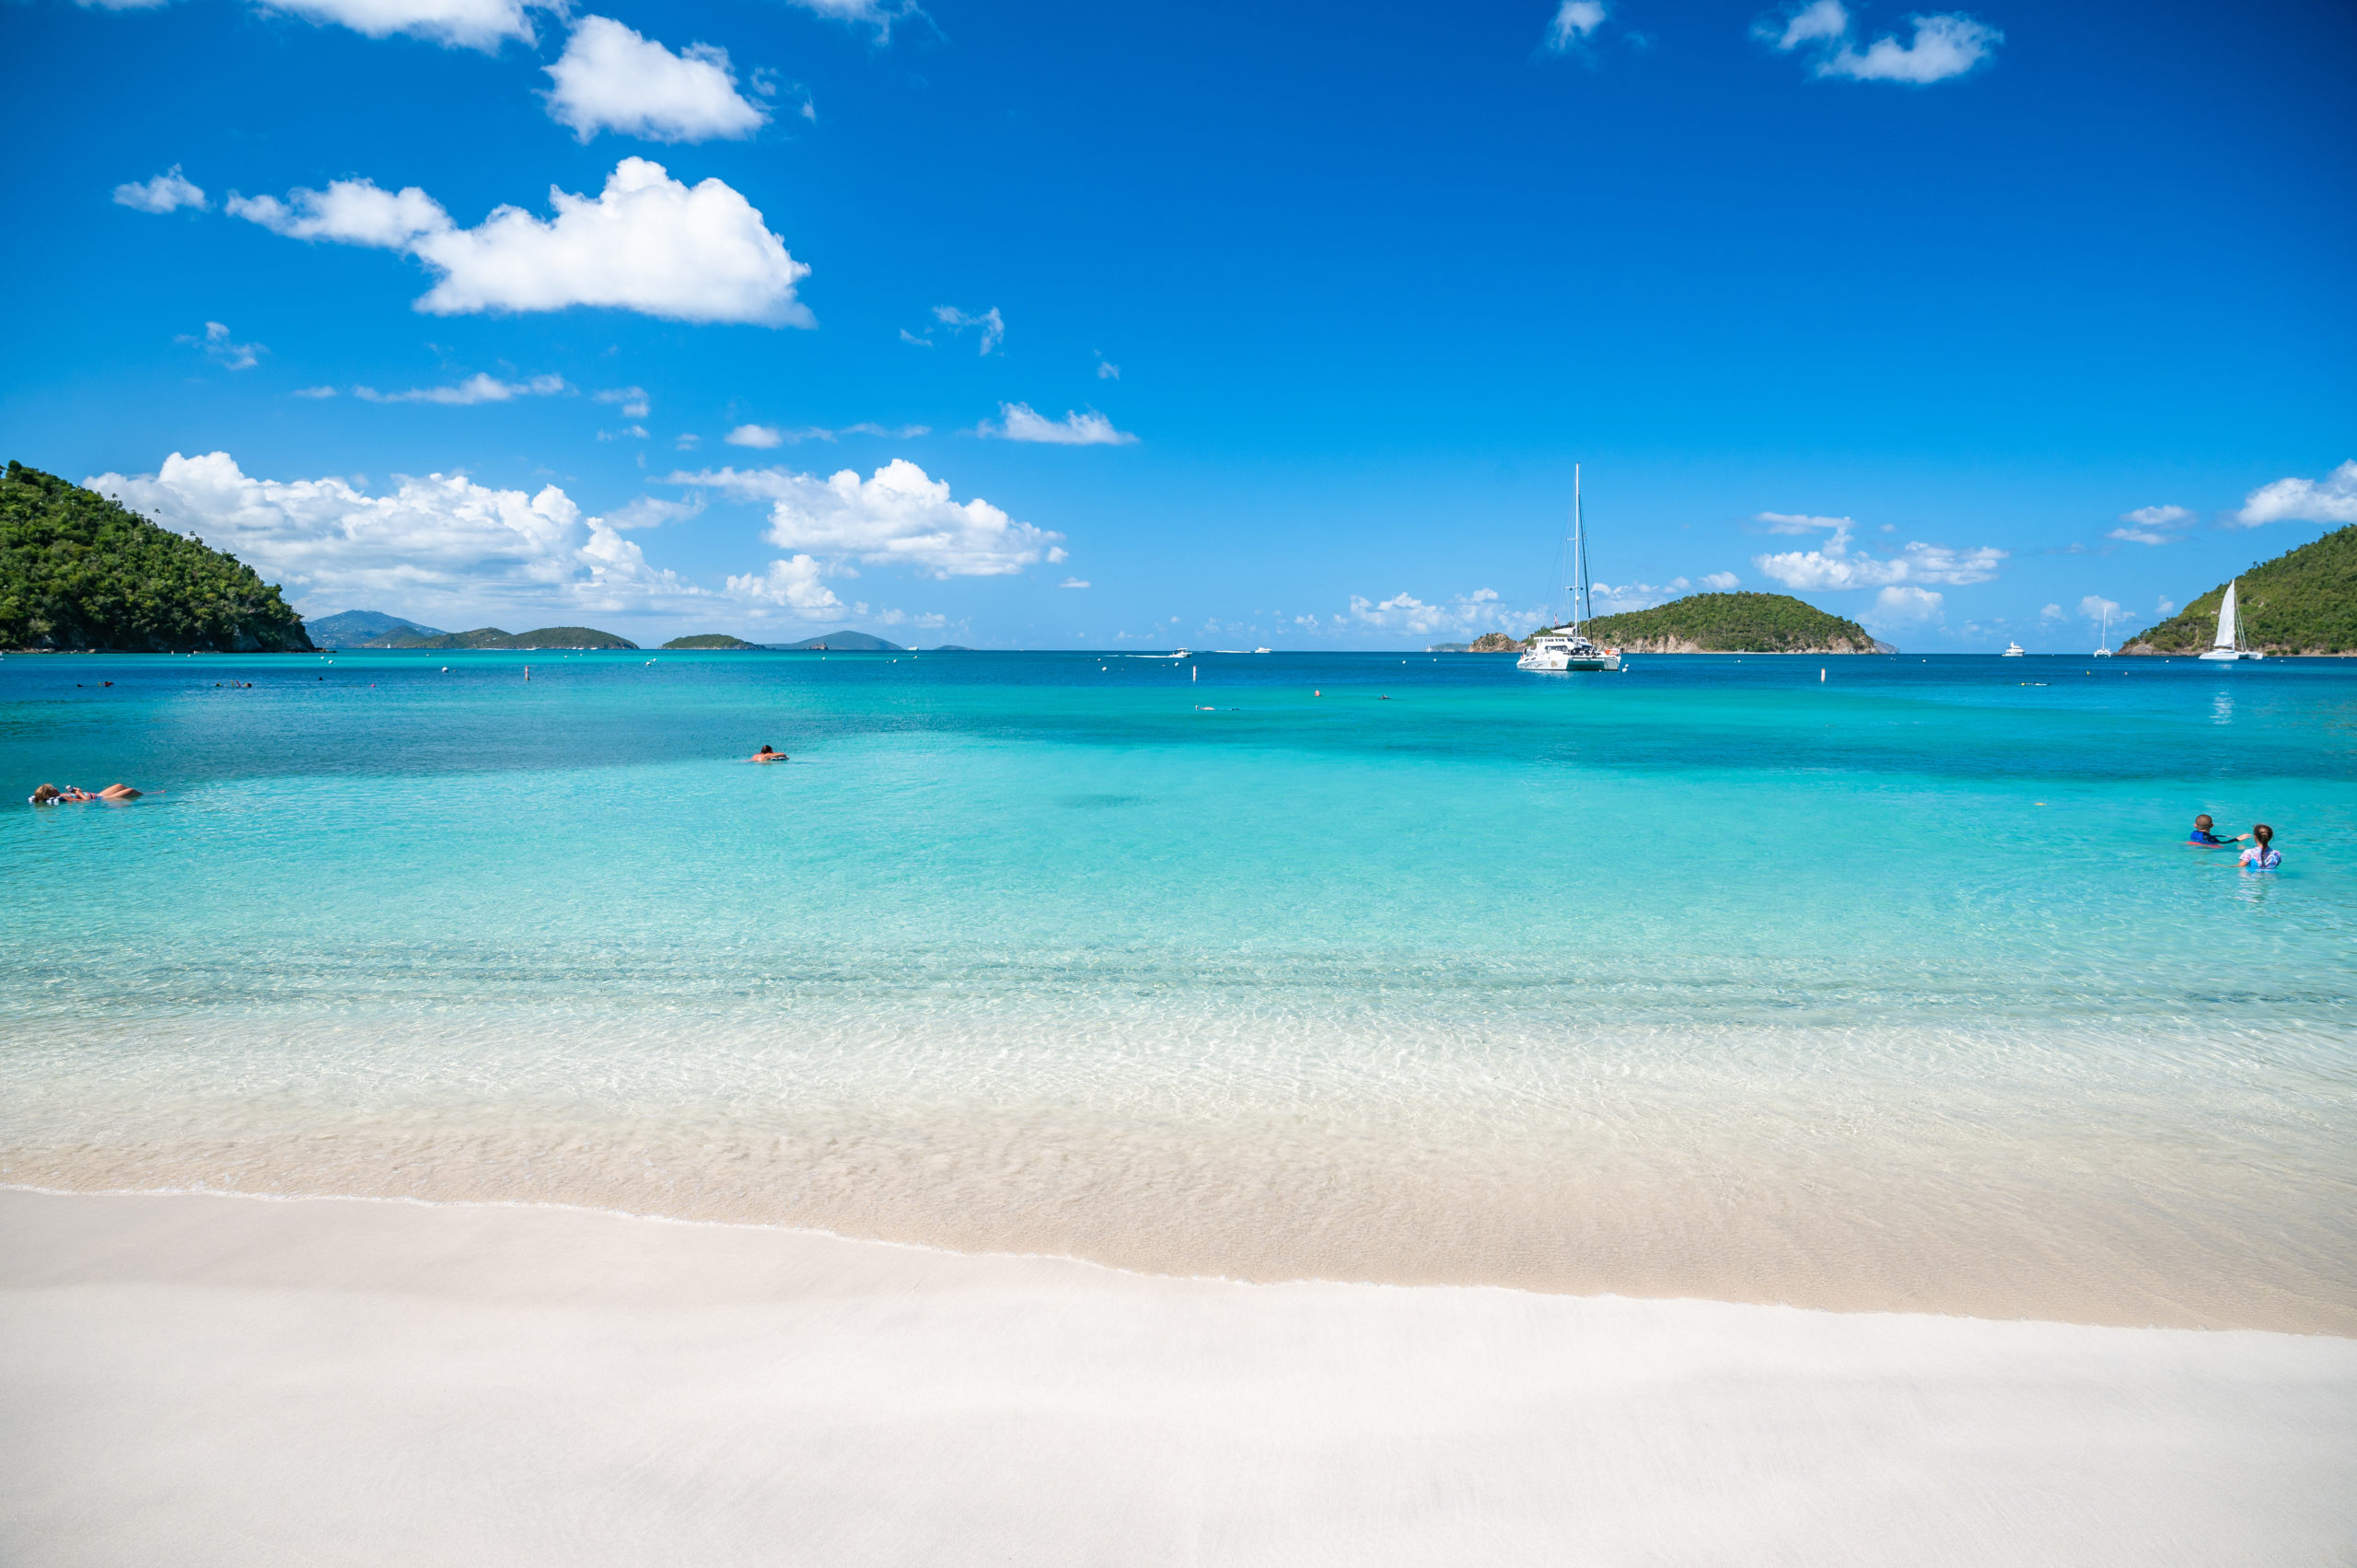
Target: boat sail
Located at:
point(2103, 644)
point(2228, 645)
point(1565, 647)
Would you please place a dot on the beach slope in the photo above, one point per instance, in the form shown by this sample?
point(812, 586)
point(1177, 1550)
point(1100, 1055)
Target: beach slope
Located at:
point(202, 1380)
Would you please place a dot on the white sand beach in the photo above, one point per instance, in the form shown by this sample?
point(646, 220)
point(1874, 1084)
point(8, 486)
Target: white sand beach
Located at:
point(196, 1380)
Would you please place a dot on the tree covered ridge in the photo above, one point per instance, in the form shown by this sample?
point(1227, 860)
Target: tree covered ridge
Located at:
point(79, 571)
point(1734, 624)
point(2303, 601)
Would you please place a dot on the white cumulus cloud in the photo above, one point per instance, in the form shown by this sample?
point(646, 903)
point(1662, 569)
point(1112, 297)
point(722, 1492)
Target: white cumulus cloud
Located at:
point(1020, 422)
point(1821, 21)
point(1943, 46)
point(440, 545)
point(647, 243)
point(169, 191)
point(875, 14)
point(1573, 21)
point(476, 388)
point(1904, 606)
point(2333, 499)
point(1834, 566)
point(1610, 598)
point(1466, 613)
point(461, 24)
point(900, 516)
point(610, 79)
point(634, 401)
point(798, 587)
point(219, 348)
point(2094, 607)
point(992, 325)
point(2152, 524)
point(1722, 582)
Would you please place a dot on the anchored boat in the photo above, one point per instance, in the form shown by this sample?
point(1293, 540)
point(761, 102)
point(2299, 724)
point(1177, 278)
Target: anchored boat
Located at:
point(1565, 647)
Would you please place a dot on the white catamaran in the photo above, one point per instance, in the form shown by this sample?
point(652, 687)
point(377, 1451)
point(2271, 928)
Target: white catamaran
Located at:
point(1565, 647)
point(2228, 645)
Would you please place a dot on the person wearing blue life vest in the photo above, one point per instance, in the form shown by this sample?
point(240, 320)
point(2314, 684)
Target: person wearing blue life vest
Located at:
point(2203, 834)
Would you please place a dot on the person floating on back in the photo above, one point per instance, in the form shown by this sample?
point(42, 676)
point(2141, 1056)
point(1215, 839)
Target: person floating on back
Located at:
point(766, 755)
point(2263, 855)
point(49, 795)
point(2202, 834)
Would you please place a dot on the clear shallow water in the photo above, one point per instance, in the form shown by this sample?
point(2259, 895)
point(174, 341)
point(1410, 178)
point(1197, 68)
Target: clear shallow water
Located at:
point(1896, 990)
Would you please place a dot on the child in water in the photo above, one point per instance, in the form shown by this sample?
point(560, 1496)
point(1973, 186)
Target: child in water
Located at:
point(2202, 834)
point(2263, 855)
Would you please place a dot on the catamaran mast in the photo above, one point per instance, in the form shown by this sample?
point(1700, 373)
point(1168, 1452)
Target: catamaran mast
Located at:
point(1578, 584)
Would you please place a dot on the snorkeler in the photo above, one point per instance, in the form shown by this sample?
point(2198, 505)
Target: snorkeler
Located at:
point(766, 755)
point(2203, 835)
point(2263, 855)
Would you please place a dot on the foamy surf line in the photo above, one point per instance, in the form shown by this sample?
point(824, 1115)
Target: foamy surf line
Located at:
point(207, 1379)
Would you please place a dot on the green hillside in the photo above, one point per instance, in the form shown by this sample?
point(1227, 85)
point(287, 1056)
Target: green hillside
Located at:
point(846, 641)
point(78, 571)
point(709, 640)
point(2303, 601)
point(1734, 624)
point(492, 637)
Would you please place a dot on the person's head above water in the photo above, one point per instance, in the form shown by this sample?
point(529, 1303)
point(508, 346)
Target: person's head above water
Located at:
point(2202, 821)
point(2263, 833)
point(44, 794)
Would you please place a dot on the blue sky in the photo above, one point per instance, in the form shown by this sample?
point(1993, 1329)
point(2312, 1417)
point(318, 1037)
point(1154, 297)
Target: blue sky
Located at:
point(1268, 326)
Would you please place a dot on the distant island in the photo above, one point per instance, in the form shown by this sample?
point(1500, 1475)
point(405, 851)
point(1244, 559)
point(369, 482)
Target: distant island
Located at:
point(567, 638)
point(845, 642)
point(707, 640)
point(2303, 601)
point(79, 571)
point(353, 628)
point(1710, 623)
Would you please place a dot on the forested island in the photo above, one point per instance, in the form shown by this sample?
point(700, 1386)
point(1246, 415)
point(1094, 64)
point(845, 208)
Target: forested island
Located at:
point(2303, 601)
point(1714, 623)
point(568, 638)
point(80, 571)
point(708, 639)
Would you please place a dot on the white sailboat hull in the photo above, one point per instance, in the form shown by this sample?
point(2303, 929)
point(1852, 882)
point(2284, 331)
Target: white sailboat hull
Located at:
point(2230, 655)
point(1550, 660)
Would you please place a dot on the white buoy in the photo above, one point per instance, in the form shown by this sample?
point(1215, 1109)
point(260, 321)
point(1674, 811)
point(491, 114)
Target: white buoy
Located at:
point(1820, 675)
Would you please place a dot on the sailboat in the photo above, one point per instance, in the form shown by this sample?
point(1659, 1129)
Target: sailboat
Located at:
point(2103, 644)
point(2228, 645)
point(1565, 647)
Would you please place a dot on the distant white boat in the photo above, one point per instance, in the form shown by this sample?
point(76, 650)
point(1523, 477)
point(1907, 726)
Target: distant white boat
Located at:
point(2227, 646)
point(2103, 644)
point(1565, 646)
point(1259, 650)
point(2013, 650)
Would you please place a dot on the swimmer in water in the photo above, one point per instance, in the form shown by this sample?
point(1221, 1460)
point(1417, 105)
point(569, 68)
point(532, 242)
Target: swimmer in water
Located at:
point(2263, 855)
point(49, 795)
point(2203, 835)
point(766, 755)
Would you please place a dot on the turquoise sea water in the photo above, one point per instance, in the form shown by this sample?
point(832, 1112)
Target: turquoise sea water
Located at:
point(1892, 989)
